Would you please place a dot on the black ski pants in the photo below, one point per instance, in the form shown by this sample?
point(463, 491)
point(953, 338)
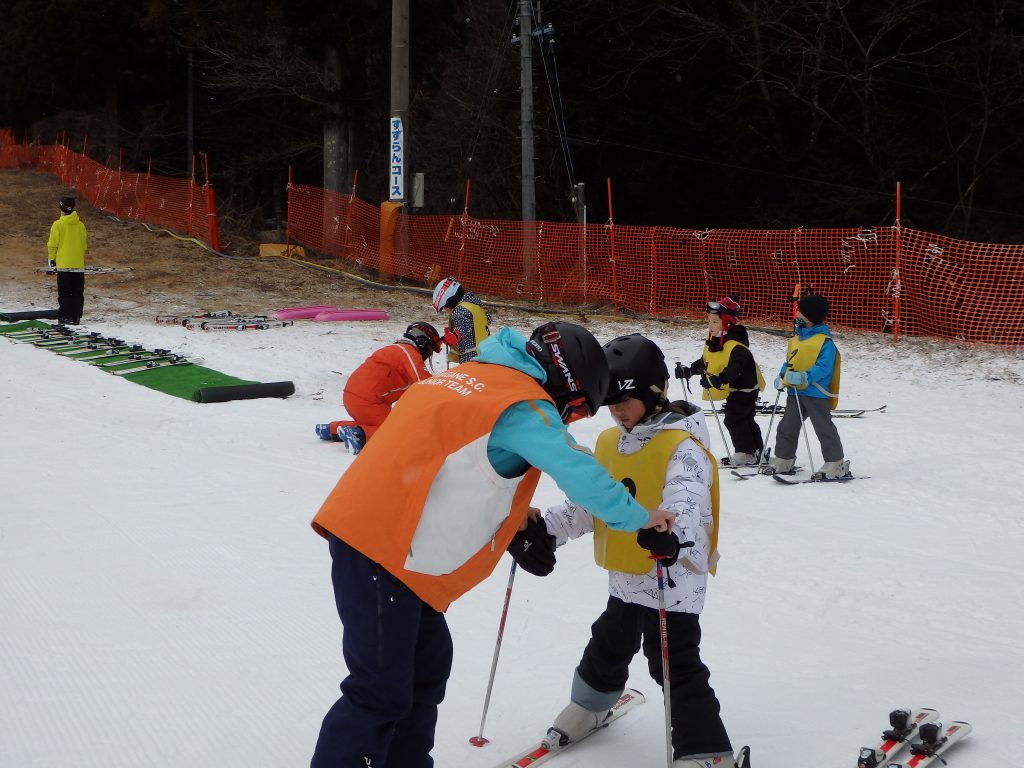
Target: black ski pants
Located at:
point(617, 635)
point(398, 652)
point(740, 410)
point(70, 296)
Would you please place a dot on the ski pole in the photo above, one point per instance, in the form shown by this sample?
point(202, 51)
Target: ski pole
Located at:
point(663, 632)
point(479, 740)
point(803, 427)
point(719, 422)
point(768, 434)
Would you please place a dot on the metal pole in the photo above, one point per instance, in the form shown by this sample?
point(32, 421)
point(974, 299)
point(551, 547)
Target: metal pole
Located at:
point(665, 682)
point(479, 740)
point(718, 421)
point(803, 427)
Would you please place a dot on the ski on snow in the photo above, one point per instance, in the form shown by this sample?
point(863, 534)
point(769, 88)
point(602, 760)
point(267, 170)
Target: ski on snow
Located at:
point(932, 740)
point(812, 479)
point(936, 738)
point(903, 726)
point(839, 413)
point(539, 753)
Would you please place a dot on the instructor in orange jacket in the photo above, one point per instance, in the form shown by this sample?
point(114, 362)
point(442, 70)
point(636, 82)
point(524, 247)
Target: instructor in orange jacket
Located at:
point(425, 512)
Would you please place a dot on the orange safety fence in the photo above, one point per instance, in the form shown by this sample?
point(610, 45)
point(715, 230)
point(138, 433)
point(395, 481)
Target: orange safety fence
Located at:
point(882, 279)
point(180, 205)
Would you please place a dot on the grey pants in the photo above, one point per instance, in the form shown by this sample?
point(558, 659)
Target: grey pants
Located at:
point(787, 438)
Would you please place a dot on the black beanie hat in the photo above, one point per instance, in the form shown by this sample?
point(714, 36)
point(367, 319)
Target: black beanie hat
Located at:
point(813, 307)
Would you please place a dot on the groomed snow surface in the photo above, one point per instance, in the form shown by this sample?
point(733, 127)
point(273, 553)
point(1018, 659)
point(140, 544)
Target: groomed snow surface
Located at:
point(164, 602)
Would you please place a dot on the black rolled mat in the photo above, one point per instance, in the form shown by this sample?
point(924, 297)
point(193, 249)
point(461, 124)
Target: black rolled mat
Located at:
point(31, 314)
point(244, 392)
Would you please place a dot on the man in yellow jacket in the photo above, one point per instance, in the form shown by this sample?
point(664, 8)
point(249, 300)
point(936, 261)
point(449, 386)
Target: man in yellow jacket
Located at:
point(66, 247)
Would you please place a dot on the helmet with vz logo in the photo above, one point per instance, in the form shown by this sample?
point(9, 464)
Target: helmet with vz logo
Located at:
point(637, 369)
point(577, 372)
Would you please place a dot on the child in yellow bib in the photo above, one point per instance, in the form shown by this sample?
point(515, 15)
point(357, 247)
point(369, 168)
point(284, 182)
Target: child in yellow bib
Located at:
point(729, 372)
point(658, 452)
point(810, 376)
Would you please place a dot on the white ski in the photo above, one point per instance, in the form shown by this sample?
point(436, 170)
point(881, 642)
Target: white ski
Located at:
point(538, 753)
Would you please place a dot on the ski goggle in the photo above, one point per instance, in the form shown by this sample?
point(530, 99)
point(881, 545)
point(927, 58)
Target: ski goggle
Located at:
point(718, 308)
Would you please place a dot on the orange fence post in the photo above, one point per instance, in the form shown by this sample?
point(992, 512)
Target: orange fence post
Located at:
point(145, 190)
point(191, 194)
point(211, 205)
point(611, 242)
point(896, 286)
point(288, 214)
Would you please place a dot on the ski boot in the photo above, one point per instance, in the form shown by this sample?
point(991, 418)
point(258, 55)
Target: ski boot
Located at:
point(353, 437)
point(740, 459)
point(323, 431)
point(718, 760)
point(833, 470)
point(572, 724)
point(778, 466)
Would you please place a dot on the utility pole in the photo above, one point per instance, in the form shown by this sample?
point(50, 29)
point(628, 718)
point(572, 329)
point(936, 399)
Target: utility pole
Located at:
point(397, 128)
point(189, 117)
point(526, 108)
point(393, 246)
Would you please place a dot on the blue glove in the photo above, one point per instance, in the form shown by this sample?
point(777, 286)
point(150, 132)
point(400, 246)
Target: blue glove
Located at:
point(778, 383)
point(796, 378)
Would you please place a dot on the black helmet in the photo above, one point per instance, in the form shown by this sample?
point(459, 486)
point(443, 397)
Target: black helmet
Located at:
point(425, 337)
point(637, 369)
point(577, 372)
point(66, 204)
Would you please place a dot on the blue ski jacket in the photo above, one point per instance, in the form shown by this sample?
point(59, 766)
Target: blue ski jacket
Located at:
point(532, 433)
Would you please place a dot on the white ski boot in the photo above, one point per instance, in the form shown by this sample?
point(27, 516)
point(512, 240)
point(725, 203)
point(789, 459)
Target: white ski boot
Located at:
point(721, 760)
point(779, 466)
point(572, 724)
point(740, 459)
point(833, 470)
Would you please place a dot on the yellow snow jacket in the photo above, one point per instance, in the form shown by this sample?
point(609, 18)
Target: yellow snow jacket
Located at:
point(68, 242)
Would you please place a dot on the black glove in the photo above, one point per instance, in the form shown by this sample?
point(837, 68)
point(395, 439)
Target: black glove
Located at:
point(660, 543)
point(53, 264)
point(683, 372)
point(710, 382)
point(534, 548)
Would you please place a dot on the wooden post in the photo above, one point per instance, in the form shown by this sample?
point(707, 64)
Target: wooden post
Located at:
point(462, 241)
point(348, 217)
point(611, 242)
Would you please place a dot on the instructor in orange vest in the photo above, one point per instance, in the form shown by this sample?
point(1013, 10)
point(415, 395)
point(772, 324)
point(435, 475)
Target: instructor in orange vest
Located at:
point(425, 512)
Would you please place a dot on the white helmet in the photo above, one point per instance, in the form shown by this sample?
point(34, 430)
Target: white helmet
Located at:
point(447, 294)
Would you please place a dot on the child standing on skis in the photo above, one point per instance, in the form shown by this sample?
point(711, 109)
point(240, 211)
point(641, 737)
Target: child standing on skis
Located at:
point(658, 452)
point(468, 321)
point(378, 382)
point(729, 372)
point(810, 375)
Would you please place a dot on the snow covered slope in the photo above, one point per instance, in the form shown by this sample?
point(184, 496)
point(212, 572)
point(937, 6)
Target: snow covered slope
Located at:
point(164, 602)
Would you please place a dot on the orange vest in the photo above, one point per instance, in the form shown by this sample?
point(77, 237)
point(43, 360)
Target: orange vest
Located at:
point(421, 499)
point(386, 374)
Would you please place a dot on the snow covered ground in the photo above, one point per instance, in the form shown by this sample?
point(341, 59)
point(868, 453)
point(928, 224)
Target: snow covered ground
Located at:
point(164, 602)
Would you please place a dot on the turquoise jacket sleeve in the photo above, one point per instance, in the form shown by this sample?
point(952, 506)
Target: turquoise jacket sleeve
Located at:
point(532, 433)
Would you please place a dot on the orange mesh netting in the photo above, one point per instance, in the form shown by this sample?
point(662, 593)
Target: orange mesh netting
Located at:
point(876, 279)
point(181, 205)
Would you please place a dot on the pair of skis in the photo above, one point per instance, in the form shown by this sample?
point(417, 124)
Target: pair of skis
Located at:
point(85, 270)
point(918, 729)
point(224, 320)
point(545, 749)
